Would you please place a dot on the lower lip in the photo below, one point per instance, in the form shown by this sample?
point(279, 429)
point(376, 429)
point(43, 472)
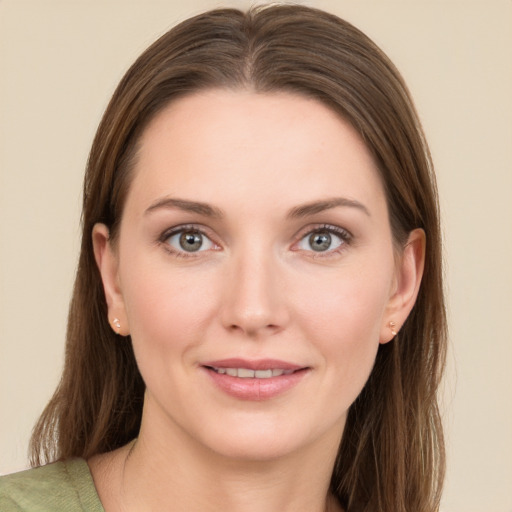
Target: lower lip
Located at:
point(256, 389)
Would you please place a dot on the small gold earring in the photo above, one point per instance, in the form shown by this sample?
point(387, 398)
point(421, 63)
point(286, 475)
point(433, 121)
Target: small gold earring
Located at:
point(392, 326)
point(117, 324)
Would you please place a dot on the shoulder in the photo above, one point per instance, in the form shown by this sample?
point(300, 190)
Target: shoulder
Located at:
point(66, 486)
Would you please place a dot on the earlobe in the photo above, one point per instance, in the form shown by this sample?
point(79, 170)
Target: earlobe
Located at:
point(409, 273)
point(107, 262)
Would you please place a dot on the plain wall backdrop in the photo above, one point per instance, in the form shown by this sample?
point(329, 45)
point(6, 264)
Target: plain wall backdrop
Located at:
point(59, 64)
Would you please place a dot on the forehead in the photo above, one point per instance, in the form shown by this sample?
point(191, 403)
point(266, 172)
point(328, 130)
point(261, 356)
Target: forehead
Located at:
point(241, 145)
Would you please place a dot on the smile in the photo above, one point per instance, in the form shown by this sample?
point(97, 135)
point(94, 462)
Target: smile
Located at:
point(247, 373)
point(254, 380)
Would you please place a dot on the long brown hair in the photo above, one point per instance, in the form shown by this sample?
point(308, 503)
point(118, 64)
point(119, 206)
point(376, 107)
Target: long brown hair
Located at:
point(391, 457)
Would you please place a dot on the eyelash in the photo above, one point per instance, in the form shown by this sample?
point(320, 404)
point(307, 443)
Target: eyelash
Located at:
point(345, 237)
point(193, 229)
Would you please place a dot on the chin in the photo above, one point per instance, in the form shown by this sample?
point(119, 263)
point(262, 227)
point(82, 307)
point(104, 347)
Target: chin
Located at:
point(257, 450)
point(257, 442)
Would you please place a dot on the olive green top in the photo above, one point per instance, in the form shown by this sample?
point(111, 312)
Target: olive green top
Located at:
point(58, 487)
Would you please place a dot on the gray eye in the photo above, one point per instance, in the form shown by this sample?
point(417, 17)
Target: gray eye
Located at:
point(320, 241)
point(188, 240)
point(191, 242)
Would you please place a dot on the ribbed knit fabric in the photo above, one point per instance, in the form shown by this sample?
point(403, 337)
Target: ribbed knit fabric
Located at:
point(58, 487)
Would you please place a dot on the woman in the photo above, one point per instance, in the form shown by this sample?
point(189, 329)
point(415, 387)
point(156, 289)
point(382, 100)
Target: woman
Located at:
point(258, 318)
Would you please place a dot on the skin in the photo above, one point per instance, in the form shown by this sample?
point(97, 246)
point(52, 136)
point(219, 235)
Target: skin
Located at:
point(255, 289)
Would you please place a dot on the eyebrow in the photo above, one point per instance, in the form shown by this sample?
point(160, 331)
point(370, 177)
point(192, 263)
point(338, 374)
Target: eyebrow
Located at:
point(320, 206)
point(300, 211)
point(189, 206)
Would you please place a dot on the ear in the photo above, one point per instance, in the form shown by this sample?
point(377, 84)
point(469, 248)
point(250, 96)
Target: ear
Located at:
point(107, 261)
point(409, 271)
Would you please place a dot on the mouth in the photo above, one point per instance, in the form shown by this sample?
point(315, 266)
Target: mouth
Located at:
point(248, 373)
point(255, 380)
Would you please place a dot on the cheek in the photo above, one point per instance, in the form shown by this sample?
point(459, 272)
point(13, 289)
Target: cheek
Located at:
point(349, 305)
point(167, 310)
point(343, 319)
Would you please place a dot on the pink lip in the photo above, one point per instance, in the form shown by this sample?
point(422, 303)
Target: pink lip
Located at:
point(255, 389)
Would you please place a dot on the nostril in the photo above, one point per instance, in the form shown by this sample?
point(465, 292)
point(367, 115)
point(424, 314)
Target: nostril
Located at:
point(253, 329)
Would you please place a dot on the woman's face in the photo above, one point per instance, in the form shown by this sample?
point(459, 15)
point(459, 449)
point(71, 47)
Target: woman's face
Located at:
point(254, 271)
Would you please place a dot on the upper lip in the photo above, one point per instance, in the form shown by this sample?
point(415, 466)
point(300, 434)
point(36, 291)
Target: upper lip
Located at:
point(256, 364)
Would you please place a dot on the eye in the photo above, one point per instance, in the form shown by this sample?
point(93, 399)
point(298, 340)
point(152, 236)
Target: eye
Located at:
point(326, 239)
point(188, 240)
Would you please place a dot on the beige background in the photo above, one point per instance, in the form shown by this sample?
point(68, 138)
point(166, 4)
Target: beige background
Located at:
point(59, 63)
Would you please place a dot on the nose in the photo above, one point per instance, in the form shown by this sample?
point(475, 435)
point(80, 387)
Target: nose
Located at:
point(255, 294)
